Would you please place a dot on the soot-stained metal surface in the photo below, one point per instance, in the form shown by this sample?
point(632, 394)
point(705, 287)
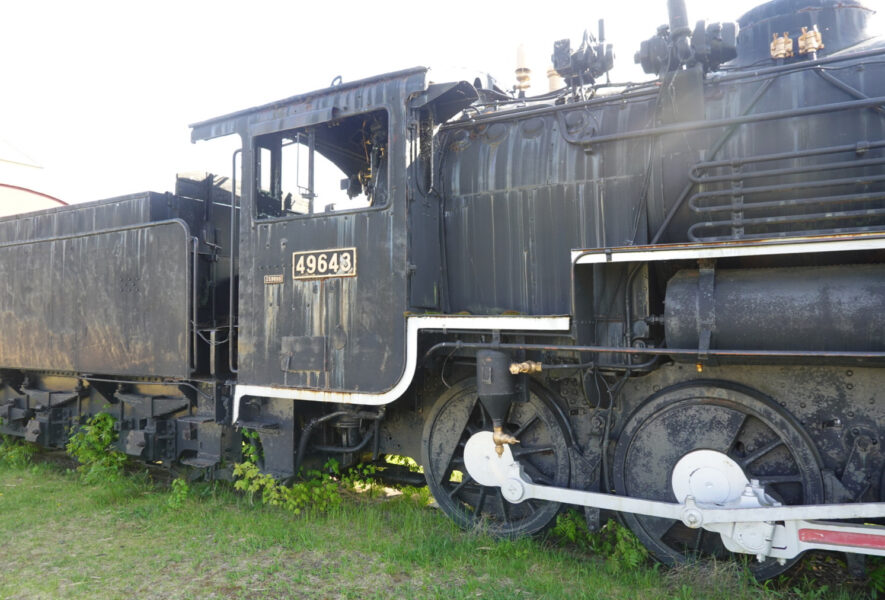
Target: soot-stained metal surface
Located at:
point(113, 286)
point(358, 320)
point(739, 157)
point(120, 298)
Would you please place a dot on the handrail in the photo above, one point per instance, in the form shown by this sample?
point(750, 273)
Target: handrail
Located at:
point(232, 251)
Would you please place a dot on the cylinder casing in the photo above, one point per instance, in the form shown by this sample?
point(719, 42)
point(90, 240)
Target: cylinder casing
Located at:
point(832, 308)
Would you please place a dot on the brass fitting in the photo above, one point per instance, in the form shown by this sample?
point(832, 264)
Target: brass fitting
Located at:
point(810, 41)
point(788, 44)
point(528, 366)
point(500, 438)
point(782, 47)
point(777, 47)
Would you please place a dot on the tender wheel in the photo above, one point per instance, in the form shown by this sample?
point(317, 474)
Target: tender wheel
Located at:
point(542, 451)
point(765, 441)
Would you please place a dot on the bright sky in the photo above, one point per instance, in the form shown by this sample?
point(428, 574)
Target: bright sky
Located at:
point(100, 93)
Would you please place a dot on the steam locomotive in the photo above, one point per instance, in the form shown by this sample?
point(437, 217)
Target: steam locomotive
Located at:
point(659, 300)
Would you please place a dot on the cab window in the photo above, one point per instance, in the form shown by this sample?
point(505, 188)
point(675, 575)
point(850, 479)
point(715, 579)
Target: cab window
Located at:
point(336, 166)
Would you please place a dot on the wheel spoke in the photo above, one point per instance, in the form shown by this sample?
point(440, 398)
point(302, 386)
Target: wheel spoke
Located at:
point(525, 427)
point(657, 527)
point(523, 451)
point(535, 474)
point(774, 479)
point(709, 542)
point(483, 491)
point(483, 415)
point(465, 479)
point(505, 511)
point(750, 459)
point(736, 434)
point(451, 449)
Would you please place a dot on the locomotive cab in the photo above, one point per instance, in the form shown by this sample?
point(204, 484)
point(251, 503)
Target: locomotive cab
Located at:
point(323, 257)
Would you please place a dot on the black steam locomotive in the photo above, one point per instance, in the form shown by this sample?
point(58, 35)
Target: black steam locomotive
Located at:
point(660, 299)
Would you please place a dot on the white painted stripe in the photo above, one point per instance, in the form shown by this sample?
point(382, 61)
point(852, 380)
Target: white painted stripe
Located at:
point(413, 326)
point(725, 250)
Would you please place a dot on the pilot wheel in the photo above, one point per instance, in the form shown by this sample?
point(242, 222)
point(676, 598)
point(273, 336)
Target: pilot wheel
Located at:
point(760, 437)
point(542, 451)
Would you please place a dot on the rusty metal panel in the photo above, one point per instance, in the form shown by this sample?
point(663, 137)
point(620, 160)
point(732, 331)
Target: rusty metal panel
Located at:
point(111, 302)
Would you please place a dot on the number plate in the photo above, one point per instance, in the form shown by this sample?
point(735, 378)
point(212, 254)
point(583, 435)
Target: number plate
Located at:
point(315, 264)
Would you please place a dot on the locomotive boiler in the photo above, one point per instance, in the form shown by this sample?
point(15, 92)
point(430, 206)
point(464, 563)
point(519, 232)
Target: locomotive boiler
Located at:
point(660, 300)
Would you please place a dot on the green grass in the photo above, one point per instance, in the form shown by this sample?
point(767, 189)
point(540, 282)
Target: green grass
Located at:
point(61, 538)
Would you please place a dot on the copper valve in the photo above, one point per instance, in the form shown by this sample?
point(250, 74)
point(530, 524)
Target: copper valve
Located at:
point(810, 41)
point(500, 438)
point(782, 47)
point(528, 366)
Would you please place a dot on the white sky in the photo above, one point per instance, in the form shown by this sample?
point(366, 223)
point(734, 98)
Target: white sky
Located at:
point(100, 94)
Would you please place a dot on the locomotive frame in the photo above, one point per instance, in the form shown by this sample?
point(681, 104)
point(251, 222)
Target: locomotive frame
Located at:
point(663, 302)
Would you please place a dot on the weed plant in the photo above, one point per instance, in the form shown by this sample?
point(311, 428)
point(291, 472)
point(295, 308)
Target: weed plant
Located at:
point(15, 452)
point(876, 576)
point(179, 491)
point(318, 491)
point(621, 549)
point(92, 445)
